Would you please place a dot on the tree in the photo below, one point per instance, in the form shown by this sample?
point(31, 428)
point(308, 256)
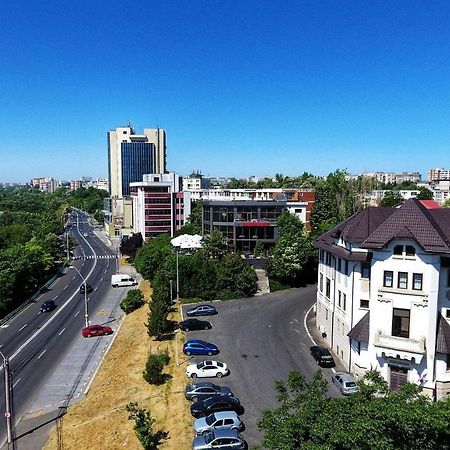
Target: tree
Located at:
point(391, 198)
point(446, 204)
point(373, 418)
point(143, 427)
point(425, 194)
point(215, 244)
point(132, 301)
point(151, 256)
point(131, 245)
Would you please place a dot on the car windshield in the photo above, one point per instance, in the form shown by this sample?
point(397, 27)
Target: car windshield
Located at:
point(209, 437)
point(201, 365)
point(326, 357)
point(210, 419)
point(350, 384)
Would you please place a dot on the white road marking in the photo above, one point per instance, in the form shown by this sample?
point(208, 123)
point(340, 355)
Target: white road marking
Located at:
point(55, 297)
point(22, 327)
point(39, 357)
point(78, 312)
point(61, 332)
point(14, 385)
point(65, 287)
point(1, 345)
point(101, 279)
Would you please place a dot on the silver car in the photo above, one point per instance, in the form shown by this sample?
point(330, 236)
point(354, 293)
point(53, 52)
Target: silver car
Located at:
point(223, 420)
point(224, 439)
point(345, 383)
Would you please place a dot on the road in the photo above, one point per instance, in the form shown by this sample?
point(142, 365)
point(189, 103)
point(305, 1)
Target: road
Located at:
point(36, 342)
point(261, 339)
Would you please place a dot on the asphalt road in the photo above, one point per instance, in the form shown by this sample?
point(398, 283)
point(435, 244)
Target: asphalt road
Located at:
point(35, 342)
point(261, 339)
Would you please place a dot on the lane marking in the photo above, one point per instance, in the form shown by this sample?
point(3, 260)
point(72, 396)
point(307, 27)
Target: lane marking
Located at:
point(61, 332)
point(22, 327)
point(65, 287)
point(78, 312)
point(14, 385)
point(55, 297)
point(39, 357)
point(101, 279)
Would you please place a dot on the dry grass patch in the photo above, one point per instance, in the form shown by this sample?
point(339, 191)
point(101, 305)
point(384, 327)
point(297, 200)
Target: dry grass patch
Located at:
point(101, 420)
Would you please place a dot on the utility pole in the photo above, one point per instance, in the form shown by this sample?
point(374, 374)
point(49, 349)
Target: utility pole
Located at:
point(8, 409)
point(178, 281)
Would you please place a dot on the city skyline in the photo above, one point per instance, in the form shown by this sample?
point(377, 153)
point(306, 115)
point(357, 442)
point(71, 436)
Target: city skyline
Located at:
point(241, 89)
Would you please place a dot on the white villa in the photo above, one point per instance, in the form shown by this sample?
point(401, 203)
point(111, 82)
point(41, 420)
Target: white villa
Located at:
point(383, 297)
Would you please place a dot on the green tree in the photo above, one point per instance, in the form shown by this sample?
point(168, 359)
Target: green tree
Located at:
point(215, 244)
point(425, 194)
point(446, 204)
point(373, 418)
point(151, 256)
point(391, 198)
point(132, 301)
point(143, 427)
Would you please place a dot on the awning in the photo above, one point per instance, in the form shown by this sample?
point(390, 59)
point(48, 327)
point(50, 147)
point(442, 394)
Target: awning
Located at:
point(360, 332)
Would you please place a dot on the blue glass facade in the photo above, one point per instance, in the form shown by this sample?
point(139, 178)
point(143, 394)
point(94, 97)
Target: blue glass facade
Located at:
point(137, 160)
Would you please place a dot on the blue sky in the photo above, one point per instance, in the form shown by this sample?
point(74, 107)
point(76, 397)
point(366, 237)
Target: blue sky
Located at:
point(242, 87)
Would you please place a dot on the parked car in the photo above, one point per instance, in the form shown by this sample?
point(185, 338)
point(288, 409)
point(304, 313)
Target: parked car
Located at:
point(215, 403)
point(194, 324)
point(221, 439)
point(96, 330)
point(345, 383)
point(206, 369)
point(322, 356)
point(88, 288)
point(221, 420)
point(204, 390)
point(201, 310)
point(47, 306)
point(198, 347)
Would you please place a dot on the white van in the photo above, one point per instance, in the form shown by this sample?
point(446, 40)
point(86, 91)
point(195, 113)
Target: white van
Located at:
point(121, 279)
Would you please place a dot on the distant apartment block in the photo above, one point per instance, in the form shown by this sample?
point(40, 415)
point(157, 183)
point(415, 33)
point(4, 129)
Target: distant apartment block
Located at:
point(438, 174)
point(159, 205)
point(131, 155)
point(45, 184)
point(195, 181)
point(392, 177)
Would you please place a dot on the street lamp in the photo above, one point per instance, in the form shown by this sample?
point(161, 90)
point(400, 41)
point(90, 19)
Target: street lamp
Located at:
point(8, 411)
point(178, 280)
point(86, 315)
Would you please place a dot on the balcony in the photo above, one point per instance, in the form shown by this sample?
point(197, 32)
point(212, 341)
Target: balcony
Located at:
point(399, 347)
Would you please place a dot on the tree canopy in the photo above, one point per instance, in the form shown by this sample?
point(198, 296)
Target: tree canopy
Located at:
point(374, 418)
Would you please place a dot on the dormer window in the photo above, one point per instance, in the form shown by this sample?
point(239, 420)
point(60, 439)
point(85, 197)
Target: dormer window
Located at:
point(398, 250)
point(410, 250)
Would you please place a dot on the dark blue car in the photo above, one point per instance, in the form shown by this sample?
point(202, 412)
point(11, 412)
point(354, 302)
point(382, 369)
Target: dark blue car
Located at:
point(198, 347)
point(201, 310)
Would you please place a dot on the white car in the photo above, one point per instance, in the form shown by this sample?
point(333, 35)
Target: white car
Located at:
point(207, 369)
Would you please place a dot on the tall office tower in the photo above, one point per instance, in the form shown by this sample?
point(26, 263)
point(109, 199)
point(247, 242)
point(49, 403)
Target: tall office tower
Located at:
point(132, 155)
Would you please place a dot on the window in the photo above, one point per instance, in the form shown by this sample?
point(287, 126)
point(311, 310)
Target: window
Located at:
point(398, 250)
point(400, 322)
point(388, 278)
point(328, 256)
point(339, 299)
point(364, 304)
point(344, 302)
point(410, 250)
point(346, 267)
point(321, 283)
point(365, 270)
point(328, 288)
point(417, 281)
point(339, 264)
point(448, 363)
point(326, 314)
point(447, 313)
point(402, 280)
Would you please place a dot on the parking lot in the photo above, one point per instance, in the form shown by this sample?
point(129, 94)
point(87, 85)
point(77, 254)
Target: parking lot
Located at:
point(261, 339)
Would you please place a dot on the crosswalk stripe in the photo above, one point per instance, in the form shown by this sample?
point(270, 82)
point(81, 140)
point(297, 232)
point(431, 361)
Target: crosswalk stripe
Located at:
point(95, 257)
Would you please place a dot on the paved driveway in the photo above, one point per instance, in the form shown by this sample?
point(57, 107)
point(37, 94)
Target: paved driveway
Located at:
point(261, 339)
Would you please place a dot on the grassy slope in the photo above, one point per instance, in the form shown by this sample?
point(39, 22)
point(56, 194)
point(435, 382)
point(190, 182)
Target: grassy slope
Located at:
point(101, 420)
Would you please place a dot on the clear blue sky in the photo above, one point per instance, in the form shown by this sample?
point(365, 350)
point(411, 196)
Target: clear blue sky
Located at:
point(242, 87)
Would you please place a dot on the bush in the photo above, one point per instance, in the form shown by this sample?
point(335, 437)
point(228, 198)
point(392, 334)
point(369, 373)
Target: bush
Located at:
point(154, 367)
point(133, 300)
point(276, 285)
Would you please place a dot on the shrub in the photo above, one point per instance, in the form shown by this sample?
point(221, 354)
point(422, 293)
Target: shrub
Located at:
point(133, 300)
point(154, 367)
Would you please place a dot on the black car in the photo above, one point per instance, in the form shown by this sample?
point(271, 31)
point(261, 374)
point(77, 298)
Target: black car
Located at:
point(201, 310)
point(204, 390)
point(88, 288)
point(194, 324)
point(48, 305)
point(322, 356)
point(215, 403)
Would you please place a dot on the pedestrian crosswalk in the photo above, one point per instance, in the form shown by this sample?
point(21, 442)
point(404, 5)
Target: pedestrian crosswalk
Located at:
point(95, 257)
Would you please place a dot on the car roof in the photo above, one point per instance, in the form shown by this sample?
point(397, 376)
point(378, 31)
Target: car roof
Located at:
point(201, 384)
point(196, 341)
point(225, 414)
point(47, 302)
point(345, 376)
point(225, 433)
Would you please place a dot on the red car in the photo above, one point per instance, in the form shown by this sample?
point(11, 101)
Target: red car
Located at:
point(96, 330)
